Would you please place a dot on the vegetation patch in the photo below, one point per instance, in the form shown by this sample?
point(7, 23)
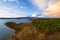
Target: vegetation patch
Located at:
point(47, 26)
point(37, 29)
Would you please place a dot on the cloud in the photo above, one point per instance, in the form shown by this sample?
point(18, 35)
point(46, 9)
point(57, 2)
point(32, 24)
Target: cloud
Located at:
point(5, 0)
point(49, 7)
point(23, 7)
point(9, 14)
point(40, 3)
point(34, 15)
point(53, 9)
point(9, 0)
point(12, 1)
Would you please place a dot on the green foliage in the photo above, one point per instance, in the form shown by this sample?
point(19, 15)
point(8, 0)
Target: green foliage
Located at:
point(14, 26)
point(48, 26)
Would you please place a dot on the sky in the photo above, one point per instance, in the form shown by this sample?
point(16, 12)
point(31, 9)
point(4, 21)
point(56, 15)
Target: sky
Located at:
point(29, 8)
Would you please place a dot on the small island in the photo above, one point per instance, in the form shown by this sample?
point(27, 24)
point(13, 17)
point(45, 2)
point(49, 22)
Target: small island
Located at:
point(37, 29)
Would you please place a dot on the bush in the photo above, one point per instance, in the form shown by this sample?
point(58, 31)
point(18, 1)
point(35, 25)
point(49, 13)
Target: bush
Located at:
point(47, 25)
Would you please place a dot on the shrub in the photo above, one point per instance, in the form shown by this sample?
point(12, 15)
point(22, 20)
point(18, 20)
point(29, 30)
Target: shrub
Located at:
point(47, 25)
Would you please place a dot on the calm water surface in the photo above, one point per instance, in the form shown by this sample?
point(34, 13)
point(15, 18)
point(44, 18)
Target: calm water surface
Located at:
point(5, 32)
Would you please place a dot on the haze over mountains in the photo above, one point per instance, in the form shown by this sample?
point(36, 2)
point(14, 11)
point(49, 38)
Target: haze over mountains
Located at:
point(9, 15)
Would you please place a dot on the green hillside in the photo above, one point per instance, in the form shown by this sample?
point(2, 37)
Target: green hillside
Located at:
point(47, 26)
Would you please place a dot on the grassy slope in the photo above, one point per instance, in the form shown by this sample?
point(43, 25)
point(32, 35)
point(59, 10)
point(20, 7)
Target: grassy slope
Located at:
point(50, 27)
point(47, 25)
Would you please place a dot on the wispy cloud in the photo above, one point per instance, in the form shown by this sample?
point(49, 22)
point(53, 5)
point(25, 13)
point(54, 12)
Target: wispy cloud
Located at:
point(53, 9)
point(7, 13)
point(36, 14)
point(8, 0)
point(22, 7)
point(49, 7)
point(5, 0)
point(40, 3)
point(12, 1)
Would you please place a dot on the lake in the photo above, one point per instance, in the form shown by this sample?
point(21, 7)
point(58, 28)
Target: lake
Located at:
point(5, 32)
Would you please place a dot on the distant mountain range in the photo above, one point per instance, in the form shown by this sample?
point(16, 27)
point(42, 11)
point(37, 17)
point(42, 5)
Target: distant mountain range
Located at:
point(18, 18)
point(21, 18)
point(25, 17)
